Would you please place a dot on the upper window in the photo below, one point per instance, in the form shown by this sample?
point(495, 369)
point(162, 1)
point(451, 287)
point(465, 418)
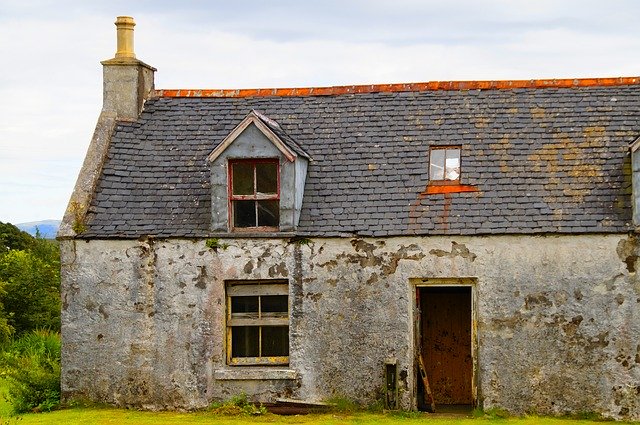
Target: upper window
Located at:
point(444, 164)
point(254, 193)
point(258, 322)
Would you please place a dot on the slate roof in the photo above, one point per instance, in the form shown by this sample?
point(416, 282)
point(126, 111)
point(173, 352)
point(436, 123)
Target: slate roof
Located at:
point(541, 160)
point(282, 135)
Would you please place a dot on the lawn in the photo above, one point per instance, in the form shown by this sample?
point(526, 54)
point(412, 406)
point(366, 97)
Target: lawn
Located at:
point(108, 416)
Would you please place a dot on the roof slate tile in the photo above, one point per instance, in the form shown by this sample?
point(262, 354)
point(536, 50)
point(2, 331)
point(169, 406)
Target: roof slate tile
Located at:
point(542, 160)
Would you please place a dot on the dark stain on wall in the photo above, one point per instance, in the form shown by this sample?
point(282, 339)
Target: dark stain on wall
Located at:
point(201, 278)
point(278, 270)
point(628, 252)
point(457, 250)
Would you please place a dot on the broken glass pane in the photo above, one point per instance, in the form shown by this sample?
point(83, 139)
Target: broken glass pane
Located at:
point(267, 177)
point(245, 341)
point(436, 164)
point(269, 213)
point(242, 178)
point(275, 341)
point(244, 213)
point(452, 164)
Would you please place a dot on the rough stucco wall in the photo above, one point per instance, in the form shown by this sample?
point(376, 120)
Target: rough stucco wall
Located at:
point(558, 319)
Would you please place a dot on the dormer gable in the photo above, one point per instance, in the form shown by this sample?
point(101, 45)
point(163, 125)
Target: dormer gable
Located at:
point(257, 178)
point(270, 129)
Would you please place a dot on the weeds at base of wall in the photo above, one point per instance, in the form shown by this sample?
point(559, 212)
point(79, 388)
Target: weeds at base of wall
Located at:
point(493, 413)
point(376, 407)
point(340, 404)
point(497, 413)
point(579, 416)
point(84, 403)
point(237, 405)
point(589, 416)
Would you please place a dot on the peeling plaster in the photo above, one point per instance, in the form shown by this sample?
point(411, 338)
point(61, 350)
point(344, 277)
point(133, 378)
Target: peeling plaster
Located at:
point(143, 321)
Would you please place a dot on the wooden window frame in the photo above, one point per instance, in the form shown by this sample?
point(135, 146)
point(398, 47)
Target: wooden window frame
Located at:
point(255, 288)
point(444, 181)
point(255, 197)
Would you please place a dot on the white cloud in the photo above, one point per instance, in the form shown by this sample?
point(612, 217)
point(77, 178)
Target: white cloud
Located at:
point(51, 82)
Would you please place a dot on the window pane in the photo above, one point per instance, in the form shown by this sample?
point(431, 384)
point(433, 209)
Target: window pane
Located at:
point(436, 164)
point(244, 213)
point(275, 341)
point(244, 341)
point(269, 213)
point(242, 178)
point(267, 177)
point(244, 306)
point(274, 304)
point(452, 164)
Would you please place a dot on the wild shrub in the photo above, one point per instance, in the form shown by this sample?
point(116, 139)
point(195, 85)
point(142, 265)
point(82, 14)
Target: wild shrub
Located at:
point(31, 367)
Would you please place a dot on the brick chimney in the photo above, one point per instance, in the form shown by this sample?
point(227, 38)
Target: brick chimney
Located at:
point(127, 80)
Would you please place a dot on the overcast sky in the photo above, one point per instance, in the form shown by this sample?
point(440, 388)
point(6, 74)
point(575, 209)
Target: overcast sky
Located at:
point(51, 77)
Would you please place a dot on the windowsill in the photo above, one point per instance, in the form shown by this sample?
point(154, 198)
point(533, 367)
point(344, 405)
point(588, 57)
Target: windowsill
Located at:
point(251, 235)
point(255, 229)
point(254, 374)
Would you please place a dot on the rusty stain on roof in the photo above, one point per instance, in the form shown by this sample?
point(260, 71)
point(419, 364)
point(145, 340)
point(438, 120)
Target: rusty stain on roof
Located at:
point(408, 87)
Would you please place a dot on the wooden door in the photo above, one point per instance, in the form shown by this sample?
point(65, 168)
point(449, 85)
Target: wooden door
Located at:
point(446, 342)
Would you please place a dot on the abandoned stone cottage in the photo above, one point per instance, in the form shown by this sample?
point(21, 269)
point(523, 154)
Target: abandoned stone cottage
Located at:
point(312, 243)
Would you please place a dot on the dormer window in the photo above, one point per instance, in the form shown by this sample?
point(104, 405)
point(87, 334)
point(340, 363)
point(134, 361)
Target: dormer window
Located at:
point(444, 164)
point(255, 193)
point(257, 178)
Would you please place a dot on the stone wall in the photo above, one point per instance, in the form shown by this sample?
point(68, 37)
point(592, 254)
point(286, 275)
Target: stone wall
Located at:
point(558, 319)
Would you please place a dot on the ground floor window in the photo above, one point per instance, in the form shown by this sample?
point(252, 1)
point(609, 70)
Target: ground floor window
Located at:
point(257, 322)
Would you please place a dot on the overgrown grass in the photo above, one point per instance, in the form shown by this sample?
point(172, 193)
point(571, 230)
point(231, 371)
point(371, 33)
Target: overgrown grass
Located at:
point(30, 367)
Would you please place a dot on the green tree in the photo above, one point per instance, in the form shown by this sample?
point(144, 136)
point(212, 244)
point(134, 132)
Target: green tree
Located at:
point(32, 286)
point(6, 330)
point(13, 238)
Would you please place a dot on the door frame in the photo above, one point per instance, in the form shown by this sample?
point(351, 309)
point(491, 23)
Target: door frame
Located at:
point(415, 284)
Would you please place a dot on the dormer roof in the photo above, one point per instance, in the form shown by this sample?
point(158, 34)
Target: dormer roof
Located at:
point(270, 128)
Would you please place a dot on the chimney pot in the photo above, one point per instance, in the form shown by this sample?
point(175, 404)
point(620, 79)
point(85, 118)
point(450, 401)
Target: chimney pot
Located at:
point(128, 82)
point(124, 25)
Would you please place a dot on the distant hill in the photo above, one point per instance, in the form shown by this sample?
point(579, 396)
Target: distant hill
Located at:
point(47, 228)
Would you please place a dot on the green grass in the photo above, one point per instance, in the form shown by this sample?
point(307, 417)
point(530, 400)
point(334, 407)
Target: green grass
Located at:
point(5, 407)
point(109, 416)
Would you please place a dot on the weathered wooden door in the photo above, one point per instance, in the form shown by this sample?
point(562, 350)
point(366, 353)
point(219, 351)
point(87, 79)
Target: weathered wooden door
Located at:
point(446, 342)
